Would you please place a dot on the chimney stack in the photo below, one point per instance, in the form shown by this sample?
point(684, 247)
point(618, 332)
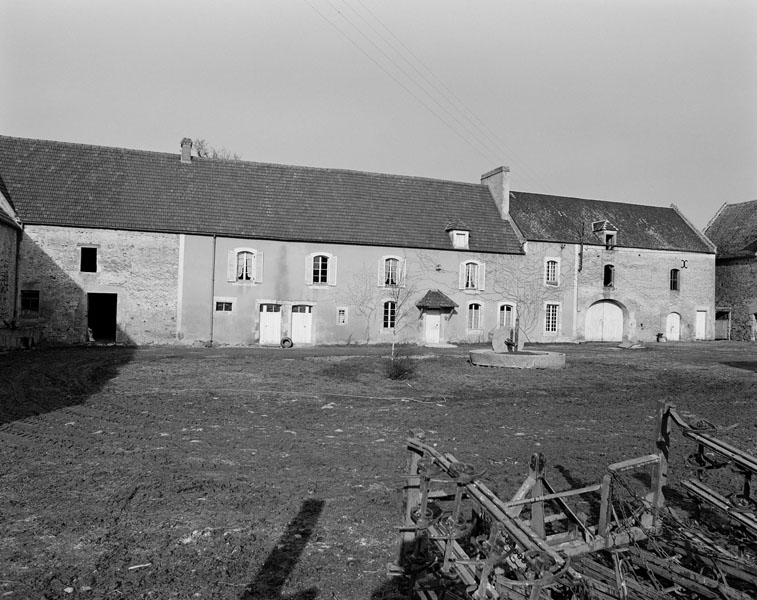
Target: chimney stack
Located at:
point(186, 150)
point(498, 182)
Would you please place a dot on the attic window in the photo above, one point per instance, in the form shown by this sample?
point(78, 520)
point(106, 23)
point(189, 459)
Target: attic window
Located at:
point(607, 232)
point(459, 238)
point(610, 240)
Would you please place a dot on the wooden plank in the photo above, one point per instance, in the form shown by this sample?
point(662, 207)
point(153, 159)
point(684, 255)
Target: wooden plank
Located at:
point(555, 496)
point(682, 576)
point(634, 463)
point(700, 490)
point(743, 459)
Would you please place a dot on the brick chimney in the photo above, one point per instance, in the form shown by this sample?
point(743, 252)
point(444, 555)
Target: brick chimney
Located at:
point(186, 150)
point(498, 181)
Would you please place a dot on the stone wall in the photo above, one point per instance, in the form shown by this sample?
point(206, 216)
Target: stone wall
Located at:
point(736, 289)
point(141, 268)
point(642, 288)
point(8, 245)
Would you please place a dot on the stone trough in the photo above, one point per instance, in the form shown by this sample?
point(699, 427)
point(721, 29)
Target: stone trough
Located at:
point(505, 353)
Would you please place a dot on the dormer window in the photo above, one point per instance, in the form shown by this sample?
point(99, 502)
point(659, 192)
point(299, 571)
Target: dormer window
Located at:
point(606, 232)
point(458, 234)
point(460, 239)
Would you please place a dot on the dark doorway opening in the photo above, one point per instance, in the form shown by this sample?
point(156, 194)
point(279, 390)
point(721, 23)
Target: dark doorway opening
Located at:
point(101, 316)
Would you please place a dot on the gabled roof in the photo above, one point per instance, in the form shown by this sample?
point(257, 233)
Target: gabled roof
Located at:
point(75, 185)
point(436, 299)
point(734, 230)
point(546, 218)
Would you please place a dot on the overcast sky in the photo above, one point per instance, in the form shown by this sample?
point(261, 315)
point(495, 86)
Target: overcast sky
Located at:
point(643, 101)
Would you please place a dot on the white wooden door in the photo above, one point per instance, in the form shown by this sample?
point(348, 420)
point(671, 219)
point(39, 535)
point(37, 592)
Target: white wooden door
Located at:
point(432, 325)
point(270, 323)
point(673, 327)
point(302, 324)
point(604, 322)
point(700, 331)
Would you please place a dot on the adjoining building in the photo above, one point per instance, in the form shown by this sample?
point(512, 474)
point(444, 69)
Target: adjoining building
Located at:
point(733, 230)
point(156, 248)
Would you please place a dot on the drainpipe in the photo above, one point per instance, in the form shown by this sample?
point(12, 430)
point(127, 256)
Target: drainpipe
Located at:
point(212, 288)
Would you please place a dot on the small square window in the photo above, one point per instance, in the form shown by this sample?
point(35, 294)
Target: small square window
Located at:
point(88, 260)
point(223, 306)
point(29, 303)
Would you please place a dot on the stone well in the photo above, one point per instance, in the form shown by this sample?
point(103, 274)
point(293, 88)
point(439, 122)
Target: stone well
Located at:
point(504, 353)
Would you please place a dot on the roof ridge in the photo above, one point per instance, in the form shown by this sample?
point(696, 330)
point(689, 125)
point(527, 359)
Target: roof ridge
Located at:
point(83, 145)
point(335, 170)
point(613, 202)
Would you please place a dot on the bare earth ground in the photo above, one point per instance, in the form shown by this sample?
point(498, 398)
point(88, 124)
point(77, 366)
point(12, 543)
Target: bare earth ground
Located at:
point(270, 473)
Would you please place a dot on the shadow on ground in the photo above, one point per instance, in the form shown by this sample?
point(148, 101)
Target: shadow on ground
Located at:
point(40, 381)
point(283, 558)
point(746, 365)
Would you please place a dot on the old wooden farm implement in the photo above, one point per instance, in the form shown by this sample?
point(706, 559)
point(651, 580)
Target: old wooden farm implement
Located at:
point(460, 541)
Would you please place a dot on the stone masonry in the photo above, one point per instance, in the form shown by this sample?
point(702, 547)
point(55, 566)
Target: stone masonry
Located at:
point(141, 268)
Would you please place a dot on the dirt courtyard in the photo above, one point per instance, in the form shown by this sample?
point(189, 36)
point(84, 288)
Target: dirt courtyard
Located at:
point(258, 473)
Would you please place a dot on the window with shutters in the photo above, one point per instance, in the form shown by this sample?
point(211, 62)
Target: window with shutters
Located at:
point(472, 275)
point(391, 271)
point(320, 269)
point(245, 266)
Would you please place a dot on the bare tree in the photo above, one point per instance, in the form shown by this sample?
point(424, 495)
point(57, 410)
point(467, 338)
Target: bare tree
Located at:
point(401, 295)
point(205, 150)
point(368, 299)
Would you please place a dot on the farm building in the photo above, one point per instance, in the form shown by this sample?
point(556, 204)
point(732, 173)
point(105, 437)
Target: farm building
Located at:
point(733, 230)
point(156, 248)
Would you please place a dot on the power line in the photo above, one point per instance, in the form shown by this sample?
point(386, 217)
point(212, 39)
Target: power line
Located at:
point(447, 92)
point(395, 79)
point(456, 116)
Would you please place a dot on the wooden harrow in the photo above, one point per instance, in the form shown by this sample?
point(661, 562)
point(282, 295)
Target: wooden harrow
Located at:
point(460, 541)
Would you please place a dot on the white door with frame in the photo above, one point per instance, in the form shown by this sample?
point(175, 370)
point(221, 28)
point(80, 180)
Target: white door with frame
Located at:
point(432, 325)
point(302, 324)
point(270, 323)
point(700, 331)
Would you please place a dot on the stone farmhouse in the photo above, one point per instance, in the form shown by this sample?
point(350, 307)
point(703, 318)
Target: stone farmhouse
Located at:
point(155, 248)
point(733, 230)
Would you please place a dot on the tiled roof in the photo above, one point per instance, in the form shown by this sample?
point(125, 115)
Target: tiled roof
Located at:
point(734, 230)
point(56, 183)
point(556, 219)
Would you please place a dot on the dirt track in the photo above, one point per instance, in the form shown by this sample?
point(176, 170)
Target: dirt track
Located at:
point(267, 473)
